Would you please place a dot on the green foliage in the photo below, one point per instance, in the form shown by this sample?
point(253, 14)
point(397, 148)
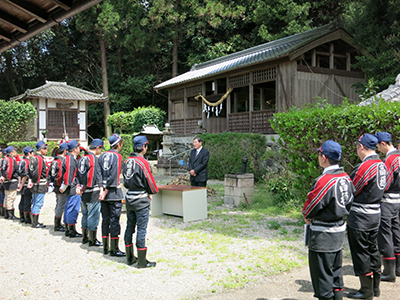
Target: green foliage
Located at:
point(121, 121)
point(127, 147)
point(15, 118)
point(302, 131)
point(19, 146)
point(133, 121)
point(226, 152)
point(283, 188)
point(148, 116)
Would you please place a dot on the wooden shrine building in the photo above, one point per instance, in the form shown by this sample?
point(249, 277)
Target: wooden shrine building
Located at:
point(61, 110)
point(241, 91)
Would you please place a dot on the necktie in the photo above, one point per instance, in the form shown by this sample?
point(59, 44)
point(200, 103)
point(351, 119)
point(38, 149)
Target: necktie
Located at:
point(196, 154)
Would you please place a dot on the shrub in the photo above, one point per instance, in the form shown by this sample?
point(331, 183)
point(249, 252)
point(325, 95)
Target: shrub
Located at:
point(148, 116)
point(129, 122)
point(121, 121)
point(15, 117)
point(127, 147)
point(226, 152)
point(302, 131)
point(19, 146)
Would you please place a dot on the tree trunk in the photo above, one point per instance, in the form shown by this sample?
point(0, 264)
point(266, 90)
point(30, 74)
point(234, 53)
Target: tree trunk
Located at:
point(105, 85)
point(175, 57)
point(9, 73)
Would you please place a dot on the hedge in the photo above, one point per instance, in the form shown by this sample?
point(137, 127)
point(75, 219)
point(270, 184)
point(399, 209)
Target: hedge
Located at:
point(129, 122)
point(15, 117)
point(19, 146)
point(302, 131)
point(227, 150)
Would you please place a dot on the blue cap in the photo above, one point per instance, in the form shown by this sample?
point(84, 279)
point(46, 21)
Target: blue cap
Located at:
point(40, 145)
point(383, 137)
point(114, 139)
point(10, 149)
point(28, 150)
point(368, 140)
point(97, 143)
point(4, 151)
point(331, 150)
point(62, 147)
point(139, 141)
point(72, 144)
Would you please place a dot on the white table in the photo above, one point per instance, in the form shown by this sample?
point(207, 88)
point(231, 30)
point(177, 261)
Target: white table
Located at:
point(189, 202)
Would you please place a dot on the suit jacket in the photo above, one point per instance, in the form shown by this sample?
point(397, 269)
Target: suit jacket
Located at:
point(199, 165)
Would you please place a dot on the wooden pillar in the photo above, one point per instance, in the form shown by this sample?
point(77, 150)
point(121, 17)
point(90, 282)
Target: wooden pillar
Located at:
point(204, 115)
point(169, 106)
point(348, 61)
point(314, 58)
point(251, 102)
point(185, 110)
point(228, 104)
point(331, 56)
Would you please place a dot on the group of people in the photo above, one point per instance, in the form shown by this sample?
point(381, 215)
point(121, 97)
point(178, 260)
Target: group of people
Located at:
point(90, 184)
point(370, 198)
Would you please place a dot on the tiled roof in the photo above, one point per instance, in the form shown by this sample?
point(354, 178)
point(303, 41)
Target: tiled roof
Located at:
point(391, 94)
point(59, 91)
point(261, 53)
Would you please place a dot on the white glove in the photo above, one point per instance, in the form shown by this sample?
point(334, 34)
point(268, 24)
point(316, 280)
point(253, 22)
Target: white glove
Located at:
point(50, 189)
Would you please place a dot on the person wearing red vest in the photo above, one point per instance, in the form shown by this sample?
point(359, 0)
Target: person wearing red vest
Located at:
point(327, 204)
point(89, 178)
point(26, 194)
point(9, 176)
point(68, 186)
point(389, 227)
point(37, 173)
point(55, 179)
point(111, 195)
point(140, 183)
point(369, 179)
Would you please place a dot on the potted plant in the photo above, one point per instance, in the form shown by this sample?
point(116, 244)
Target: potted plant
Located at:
point(44, 132)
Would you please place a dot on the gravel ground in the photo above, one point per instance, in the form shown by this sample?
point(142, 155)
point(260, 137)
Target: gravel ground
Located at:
point(236, 260)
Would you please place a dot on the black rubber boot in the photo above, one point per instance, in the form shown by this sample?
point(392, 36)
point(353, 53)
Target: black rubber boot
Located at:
point(57, 225)
point(377, 280)
point(106, 242)
point(27, 217)
point(5, 213)
point(366, 290)
point(389, 272)
point(338, 295)
point(72, 232)
point(130, 256)
point(93, 239)
point(35, 222)
point(85, 239)
point(398, 265)
point(114, 251)
point(1, 210)
point(11, 215)
point(143, 262)
point(21, 217)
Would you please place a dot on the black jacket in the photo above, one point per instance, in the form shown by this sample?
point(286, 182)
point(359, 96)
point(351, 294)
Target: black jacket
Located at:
point(199, 165)
point(9, 171)
point(37, 172)
point(139, 181)
point(327, 203)
point(369, 179)
point(89, 177)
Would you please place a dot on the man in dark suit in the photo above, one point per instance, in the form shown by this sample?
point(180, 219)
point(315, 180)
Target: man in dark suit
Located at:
point(198, 163)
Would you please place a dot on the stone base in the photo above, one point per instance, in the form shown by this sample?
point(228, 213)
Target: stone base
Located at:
point(239, 188)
